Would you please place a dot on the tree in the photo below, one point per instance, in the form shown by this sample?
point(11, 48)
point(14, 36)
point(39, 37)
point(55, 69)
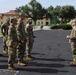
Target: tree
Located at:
point(50, 11)
point(67, 13)
point(54, 12)
point(33, 10)
point(57, 10)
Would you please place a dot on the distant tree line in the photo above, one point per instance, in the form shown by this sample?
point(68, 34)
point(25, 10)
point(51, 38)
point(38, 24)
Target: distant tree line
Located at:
point(58, 14)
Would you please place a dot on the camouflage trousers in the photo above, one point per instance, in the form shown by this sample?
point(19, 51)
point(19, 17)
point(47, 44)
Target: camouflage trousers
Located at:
point(29, 47)
point(73, 46)
point(11, 55)
point(21, 52)
point(4, 43)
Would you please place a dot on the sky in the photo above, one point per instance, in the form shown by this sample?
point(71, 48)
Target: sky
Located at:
point(7, 5)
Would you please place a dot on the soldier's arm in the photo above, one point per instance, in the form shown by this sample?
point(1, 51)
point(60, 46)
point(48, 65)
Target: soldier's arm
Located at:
point(27, 33)
point(2, 29)
point(11, 38)
point(71, 35)
point(19, 34)
point(33, 33)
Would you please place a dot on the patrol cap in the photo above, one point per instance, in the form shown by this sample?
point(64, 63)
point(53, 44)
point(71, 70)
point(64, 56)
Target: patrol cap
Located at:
point(29, 19)
point(8, 19)
point(21, 14)
point(14, 19)
point(72, 21)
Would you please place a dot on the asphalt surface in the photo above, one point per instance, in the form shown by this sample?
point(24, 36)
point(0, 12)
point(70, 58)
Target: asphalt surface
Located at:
point(52, 54)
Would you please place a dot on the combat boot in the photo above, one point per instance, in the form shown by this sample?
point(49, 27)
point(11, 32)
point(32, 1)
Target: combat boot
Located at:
point(73, 63)
point(28, 58)
point(11, 67)
point(21, 63)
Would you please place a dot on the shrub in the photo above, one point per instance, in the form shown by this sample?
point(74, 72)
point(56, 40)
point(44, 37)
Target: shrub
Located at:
point(62, 26)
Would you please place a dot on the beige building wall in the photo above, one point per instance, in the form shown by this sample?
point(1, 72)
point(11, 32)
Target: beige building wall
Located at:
point(4, 17)
point(45, 21)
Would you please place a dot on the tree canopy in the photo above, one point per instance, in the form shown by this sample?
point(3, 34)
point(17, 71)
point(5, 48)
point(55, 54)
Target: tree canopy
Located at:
point(35, 11)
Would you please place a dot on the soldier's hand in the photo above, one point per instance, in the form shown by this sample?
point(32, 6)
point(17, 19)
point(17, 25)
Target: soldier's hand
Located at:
point(23, 41)
point(14, 46)
point(17, 46)
point(27, 42)
point(68, 36)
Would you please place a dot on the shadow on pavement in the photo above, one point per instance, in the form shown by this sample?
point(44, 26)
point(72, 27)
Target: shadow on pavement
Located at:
point(3, 66)
point(46, 65)
point(52, 59)
point(41, 70)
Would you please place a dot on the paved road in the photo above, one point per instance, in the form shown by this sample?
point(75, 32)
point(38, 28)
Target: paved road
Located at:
point(52, 54)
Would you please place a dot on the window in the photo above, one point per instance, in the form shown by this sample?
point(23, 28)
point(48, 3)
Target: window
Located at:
point(38, 23)
point(41, 22)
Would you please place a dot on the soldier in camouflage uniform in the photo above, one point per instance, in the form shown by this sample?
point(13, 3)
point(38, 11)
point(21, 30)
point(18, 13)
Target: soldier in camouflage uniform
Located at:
point(12, 43)
point(21, 39)
point(30, 39)
point(4, 31)
point(72, 40)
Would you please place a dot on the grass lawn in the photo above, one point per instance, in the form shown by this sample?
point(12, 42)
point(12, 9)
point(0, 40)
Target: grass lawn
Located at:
point(0, 33)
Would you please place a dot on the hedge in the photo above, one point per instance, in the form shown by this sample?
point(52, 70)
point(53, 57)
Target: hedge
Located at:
point(62, 26)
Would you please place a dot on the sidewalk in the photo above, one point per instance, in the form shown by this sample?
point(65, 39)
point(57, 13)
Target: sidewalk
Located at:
point(38, 28)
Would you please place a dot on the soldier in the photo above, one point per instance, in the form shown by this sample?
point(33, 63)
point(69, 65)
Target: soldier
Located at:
point(72, 40)
point(12, 43)
point(21, 39)
point(30, 39)
point(4, 31)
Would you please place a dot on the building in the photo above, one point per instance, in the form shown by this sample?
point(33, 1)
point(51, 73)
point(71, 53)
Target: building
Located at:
point(13, 14)
point(10, 14)
point(44, 21)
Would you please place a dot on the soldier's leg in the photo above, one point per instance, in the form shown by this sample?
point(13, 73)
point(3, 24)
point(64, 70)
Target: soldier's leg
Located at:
point(73, 46)
point(11, 58)
point(28, 51)
point(20, 55)
point(4, 45)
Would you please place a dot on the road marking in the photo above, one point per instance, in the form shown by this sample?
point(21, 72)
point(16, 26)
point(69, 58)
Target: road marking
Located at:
point(7, 72)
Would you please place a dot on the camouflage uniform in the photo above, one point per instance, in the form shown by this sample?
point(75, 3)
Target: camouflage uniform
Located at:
point(12, 43)
point(73, 43)
point(21, 37)
point(72, 40)
point(30, 40)
point(4, 31)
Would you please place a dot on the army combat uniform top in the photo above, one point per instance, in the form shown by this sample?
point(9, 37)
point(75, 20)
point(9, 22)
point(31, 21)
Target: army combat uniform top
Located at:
point(21, 31)
point(4, 31)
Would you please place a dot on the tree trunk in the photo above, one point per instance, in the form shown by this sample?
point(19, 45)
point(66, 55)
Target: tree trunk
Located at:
point(34, 22)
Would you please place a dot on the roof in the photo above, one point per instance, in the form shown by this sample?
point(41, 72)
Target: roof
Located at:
point(0, 15)
point(12, 12)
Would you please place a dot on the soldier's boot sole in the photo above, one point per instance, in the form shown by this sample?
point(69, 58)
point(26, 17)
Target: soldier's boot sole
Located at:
point(21, 64)
point(73, 63)
point(29, 58)
point(5, 52)
point(12, 68)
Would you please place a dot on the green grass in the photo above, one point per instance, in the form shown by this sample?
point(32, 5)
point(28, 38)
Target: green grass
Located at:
point(0, 33)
